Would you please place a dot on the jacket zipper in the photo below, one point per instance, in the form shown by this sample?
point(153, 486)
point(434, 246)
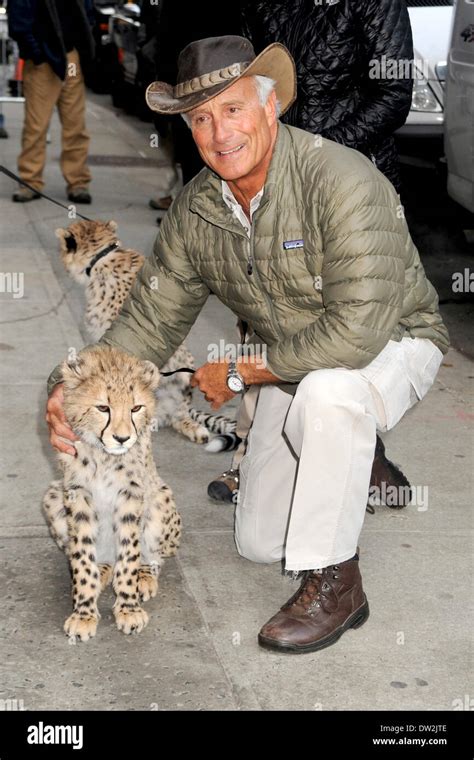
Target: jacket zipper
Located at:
point(250, 271)
point(250, 261)
point(250, 268)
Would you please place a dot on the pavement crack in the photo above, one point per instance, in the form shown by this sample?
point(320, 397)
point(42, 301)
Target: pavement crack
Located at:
point(52, 310)
point(234, 688)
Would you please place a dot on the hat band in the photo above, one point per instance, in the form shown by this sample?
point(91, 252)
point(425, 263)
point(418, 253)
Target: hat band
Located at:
point(209, 80)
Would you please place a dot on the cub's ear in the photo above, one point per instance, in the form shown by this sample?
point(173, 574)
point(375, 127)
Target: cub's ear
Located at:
point(72, 369)
point(150, 375)
point(69, 239)
point(112, 225)
point(71, 244)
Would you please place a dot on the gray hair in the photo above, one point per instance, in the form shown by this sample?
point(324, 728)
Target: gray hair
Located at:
point(264, 86)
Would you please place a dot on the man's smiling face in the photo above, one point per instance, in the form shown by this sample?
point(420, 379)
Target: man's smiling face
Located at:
point(234, 133)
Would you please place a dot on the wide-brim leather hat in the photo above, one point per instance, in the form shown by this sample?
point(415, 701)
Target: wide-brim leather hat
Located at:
point(208, 67)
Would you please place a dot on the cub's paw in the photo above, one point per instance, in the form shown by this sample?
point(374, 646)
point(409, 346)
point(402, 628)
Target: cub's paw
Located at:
point(147, 585)
point(192, 430)
point(199, 435)
point(130, 620)
point(81, 626)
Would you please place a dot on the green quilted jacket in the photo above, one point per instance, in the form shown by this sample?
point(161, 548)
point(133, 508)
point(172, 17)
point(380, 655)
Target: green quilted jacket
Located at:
point(334, 272)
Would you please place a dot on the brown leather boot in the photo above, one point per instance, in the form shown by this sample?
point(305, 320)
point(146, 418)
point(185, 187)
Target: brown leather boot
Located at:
point(327, 604)
point(392, 486)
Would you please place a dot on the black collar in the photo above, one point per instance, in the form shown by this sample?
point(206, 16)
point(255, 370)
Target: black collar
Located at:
point(100, 256)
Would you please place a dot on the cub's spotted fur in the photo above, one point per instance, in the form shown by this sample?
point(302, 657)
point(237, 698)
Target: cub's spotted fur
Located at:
point(94, 257)
point(111, 513)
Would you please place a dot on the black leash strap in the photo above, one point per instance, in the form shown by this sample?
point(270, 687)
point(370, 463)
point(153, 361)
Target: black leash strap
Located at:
point(99, 256)
point(181, 369)
point(38, 192)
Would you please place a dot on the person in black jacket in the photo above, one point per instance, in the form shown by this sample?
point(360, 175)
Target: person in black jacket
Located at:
point(203, 19)
point(342, 48)
point(55, 40)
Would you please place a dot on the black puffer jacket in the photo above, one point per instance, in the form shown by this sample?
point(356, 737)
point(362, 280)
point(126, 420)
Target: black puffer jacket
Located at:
point(333, 44)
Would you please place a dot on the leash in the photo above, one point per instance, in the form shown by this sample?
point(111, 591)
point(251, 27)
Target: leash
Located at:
point(10, 174)
point(181, 369)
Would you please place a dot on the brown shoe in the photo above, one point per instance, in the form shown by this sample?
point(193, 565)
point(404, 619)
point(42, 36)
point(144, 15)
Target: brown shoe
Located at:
point(161, 204)
point(79, 195)
point(225, 487)
point(24, 195)
point(387, 481)
point(328, 603)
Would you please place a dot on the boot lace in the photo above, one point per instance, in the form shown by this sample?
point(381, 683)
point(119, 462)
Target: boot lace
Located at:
point(313, 589)
point(307, 591)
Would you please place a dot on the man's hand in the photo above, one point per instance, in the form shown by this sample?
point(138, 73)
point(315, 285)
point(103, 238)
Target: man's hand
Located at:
point(58, 426)
point(212, 378)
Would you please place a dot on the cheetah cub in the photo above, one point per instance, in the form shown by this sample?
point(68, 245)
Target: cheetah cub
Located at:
point(94, 257)
point(111, 513)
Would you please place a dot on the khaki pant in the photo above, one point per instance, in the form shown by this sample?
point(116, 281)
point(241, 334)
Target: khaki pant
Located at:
point(43, 90)
point(305, 476)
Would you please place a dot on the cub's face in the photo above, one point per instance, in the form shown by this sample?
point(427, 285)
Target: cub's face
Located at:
point(80, 242)
point(109, 398)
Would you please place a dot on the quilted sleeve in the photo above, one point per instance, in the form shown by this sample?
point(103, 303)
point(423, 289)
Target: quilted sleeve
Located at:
point(387, 88)
point(164, 301)
point(363, 276)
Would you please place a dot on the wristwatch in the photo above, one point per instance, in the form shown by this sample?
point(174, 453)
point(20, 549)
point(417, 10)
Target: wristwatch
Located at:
point(235, 381)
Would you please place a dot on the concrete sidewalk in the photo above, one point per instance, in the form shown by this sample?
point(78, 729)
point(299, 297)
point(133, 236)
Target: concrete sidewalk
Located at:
point(199, 650)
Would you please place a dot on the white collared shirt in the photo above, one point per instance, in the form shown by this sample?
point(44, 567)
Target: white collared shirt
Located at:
point(236, 208)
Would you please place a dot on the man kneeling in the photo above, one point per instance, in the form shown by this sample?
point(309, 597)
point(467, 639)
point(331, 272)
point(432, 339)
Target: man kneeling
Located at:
point(305, 240)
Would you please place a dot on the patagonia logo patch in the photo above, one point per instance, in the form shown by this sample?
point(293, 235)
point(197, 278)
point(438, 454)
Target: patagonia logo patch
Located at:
point(292, 244)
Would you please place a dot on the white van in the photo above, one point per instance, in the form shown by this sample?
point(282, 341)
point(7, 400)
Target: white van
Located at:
point(459, 99)
point(422, 133)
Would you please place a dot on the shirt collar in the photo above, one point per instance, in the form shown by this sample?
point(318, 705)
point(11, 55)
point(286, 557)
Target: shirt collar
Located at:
point(232, 203)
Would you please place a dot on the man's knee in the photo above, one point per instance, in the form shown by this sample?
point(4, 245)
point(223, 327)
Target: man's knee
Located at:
point(329, 386)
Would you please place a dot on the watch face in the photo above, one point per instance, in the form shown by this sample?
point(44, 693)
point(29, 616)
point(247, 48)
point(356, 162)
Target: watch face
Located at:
point(235, 384)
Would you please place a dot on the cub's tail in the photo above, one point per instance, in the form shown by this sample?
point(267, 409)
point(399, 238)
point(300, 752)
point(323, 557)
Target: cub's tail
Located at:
point(224, 442)
point(215, 423)
point(226, 438)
